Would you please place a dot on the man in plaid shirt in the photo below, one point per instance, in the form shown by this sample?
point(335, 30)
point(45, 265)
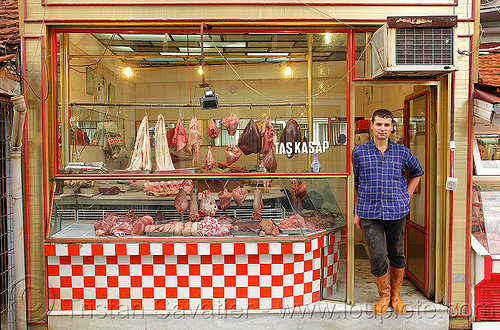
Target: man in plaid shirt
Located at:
point(382, 198)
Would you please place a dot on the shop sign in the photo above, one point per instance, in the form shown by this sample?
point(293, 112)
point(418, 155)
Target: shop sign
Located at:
point(311, 147)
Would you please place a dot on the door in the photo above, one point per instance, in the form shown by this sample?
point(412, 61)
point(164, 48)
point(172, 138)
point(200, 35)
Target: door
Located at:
point(417, 137)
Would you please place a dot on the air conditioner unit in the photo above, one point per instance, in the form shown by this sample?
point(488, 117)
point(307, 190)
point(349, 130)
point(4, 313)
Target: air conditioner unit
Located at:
point(415, 47)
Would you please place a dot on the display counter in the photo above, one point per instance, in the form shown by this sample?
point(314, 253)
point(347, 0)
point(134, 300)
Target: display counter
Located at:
point(485, 241)
point(235, 260)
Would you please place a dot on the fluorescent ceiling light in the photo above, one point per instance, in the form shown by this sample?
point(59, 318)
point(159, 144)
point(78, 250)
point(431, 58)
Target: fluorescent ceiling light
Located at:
point(144, 37)
point(172, 54)
point(171, 59)
point(103, 35)
point(196, 50)
point(268, 54)
point(224, 44)
point(121, 49)
point(194, 37)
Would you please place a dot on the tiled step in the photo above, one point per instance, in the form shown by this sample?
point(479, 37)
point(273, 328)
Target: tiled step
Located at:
point(320, 315)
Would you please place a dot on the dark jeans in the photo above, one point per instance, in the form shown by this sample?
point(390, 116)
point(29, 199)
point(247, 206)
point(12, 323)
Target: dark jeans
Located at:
point(380, 248)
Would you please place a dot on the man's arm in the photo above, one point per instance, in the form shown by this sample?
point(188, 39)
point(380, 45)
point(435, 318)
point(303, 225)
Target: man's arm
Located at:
point(357, 219)
point(412, 184)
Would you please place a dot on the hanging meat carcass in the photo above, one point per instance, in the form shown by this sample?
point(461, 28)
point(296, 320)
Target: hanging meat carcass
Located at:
point(270, 161)
point(231, 123)
point(239, 195)
point(141, 155)
point(232, 154)
point(162, 152)
point(291, 133)
point(257, 205)
point(250, 141)
point(207, 204)
point(193, 206)
point(224, 199)
point(268, 135)
point(194, 137)
point(267, 182)
point(299, 193)
point(209, 160)
point(213, 131)
point(179, 139)
point(180, 203)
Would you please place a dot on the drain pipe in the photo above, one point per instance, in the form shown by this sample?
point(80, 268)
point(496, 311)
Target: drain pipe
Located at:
point(16, 183)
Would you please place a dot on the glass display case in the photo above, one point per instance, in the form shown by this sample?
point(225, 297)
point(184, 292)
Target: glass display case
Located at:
point(486, 150)
point(486, 216)
point(90, 210)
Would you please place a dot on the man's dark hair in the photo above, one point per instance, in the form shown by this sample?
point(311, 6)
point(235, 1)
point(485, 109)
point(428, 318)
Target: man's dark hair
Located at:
point(382, 113)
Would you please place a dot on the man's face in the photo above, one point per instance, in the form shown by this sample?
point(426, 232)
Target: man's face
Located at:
point(382, 128)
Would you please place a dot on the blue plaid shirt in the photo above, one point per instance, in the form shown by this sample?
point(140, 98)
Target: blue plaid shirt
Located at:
point(381, 182)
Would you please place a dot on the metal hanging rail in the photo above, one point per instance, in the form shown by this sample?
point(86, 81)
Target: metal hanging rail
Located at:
point(165, 105)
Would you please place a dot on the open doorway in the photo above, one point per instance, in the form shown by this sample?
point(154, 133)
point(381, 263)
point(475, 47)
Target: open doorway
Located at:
point(413, 107)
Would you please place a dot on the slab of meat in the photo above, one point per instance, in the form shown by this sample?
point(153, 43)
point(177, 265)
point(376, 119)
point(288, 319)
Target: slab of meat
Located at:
point(207, 204)
point(268, 228)
point(194, 137)
point(213, 131)
point(291, 133)
point(181, 203)
point(227, 220)
point(250, 141)
point(141, 155)
point(224, 199)
point(257, 205)
point(130, 218)
point(231, 123)
point(293, 222)
point(232, 154)
point(146, 219)
point(103, 227)
point(138, 228)
point(179, 139)
point(121, 229)
point(239, 195)
point(208, 226)
point(247, 226)
point(162, 152)
point(268, 135)
point(269, 161)
point(193, 206)
point(314, 224)
point(209, 160)
point(167, 188)
point(224, 230)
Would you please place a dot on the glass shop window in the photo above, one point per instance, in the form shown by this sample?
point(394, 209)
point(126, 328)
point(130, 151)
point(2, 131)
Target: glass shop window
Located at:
point(220, 102)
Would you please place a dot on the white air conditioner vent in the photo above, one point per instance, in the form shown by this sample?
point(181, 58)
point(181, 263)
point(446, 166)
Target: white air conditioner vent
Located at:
point(412, 46)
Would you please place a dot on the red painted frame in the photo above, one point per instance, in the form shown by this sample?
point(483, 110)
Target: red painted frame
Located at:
point(55, 76)
point(410, 224)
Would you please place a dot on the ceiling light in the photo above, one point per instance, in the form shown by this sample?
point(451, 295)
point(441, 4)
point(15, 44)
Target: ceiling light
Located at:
point(328, 38)
point(121, 49)
point(127, 71)
point(200, 70)
point(288, 70)
point(268, 54)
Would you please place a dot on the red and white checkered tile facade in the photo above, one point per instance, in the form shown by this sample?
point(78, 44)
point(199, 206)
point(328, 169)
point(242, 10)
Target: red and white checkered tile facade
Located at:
point(171, 276)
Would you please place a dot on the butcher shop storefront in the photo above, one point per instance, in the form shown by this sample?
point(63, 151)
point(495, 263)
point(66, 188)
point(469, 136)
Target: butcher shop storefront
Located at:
point(198, 169)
